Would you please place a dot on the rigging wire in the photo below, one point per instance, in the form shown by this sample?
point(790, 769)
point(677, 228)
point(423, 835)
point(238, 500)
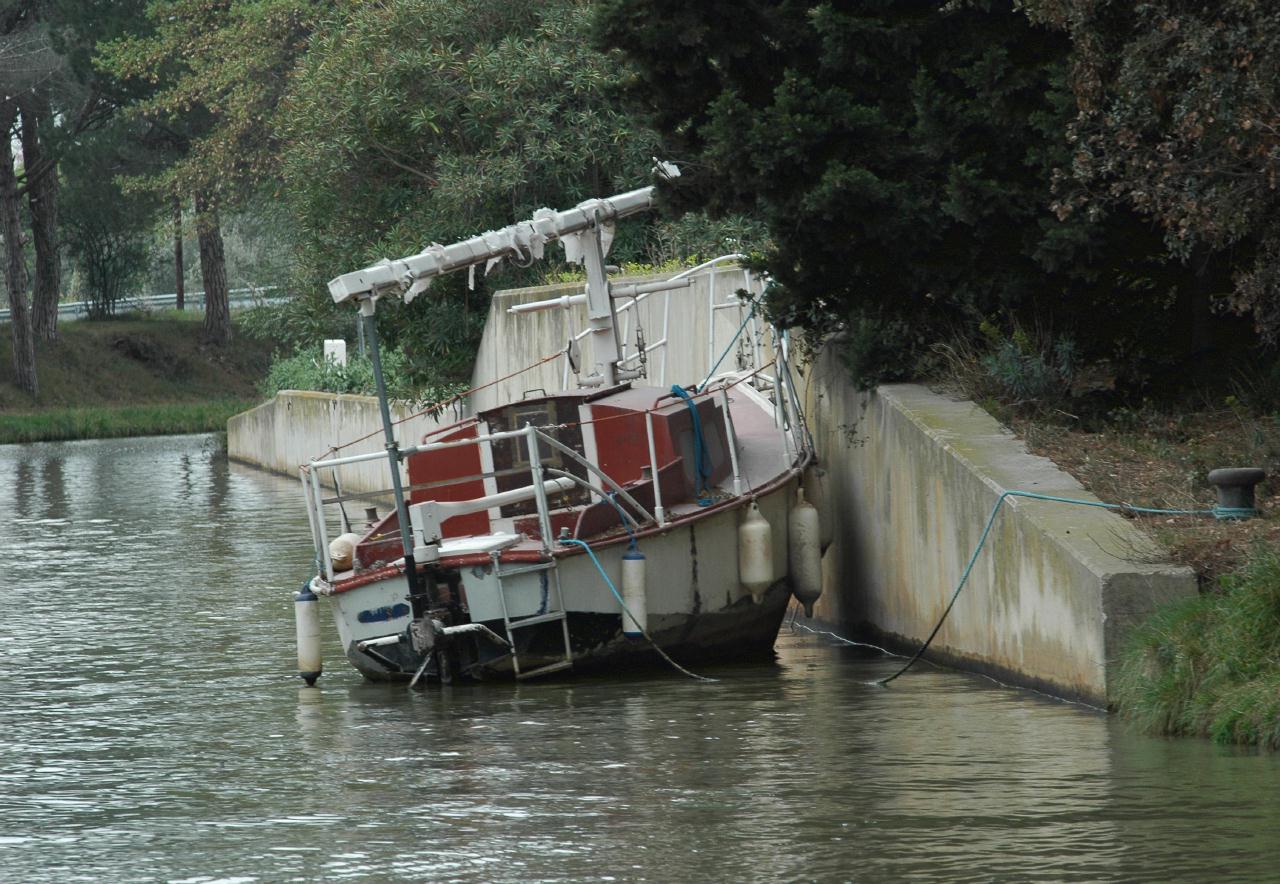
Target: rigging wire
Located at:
point(750, 313)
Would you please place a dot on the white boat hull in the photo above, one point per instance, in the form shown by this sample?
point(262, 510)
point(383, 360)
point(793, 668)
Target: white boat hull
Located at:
point(697, 609)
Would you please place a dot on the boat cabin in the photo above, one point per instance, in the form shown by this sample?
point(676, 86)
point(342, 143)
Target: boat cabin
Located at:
point(605, 428)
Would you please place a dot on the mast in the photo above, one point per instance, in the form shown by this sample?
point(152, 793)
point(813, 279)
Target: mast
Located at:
point(580, 230)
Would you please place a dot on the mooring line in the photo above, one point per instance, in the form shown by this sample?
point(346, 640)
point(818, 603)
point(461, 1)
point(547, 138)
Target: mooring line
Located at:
point(1217, 512)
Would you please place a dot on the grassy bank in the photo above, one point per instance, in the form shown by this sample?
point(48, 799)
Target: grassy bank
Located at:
point(1211, 666)
point(125, 420)
point(133, 376)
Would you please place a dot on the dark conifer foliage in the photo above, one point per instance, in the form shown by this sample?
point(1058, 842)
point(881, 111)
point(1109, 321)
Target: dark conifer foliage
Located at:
point(903, 155)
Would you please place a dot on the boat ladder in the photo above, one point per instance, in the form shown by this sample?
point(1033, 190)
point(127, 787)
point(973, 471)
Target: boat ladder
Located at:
point(554, 610)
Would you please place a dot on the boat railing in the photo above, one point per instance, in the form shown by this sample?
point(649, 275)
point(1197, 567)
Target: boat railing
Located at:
point(637, 293)
point(534, 438)
point(314, 499)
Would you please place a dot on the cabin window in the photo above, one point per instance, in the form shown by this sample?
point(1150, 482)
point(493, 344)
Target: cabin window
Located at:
point(540, 415)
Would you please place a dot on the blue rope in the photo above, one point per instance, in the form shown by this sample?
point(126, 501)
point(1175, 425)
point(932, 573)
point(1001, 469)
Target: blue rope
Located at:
point(752, 312)
point(613, 589)
point(700, 455)
point(1031, 495)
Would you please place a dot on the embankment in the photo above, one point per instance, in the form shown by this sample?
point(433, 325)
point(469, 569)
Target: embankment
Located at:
point(130, 377)
point(914, 476)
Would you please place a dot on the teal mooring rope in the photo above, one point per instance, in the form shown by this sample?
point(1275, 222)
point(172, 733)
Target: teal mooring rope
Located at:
point(700, 456)
point(1217, 512)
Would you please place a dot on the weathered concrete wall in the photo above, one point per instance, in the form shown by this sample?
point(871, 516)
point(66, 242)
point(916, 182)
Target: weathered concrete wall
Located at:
point(512, 342)
point(912, 478)
point(296, 426)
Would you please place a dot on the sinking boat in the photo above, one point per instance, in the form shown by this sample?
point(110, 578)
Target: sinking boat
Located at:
point(609, 525)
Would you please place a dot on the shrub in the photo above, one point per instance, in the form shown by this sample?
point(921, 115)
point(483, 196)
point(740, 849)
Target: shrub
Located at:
point(1028, 371)
point(307, 369)
point(1019, 371)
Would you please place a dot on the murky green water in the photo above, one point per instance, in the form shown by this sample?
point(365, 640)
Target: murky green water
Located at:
point(152, 730)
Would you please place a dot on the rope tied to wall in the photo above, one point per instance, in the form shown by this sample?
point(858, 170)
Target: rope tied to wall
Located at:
point(986, 532)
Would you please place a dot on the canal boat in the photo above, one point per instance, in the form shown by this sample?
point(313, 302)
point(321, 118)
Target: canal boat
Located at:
point(612, 524)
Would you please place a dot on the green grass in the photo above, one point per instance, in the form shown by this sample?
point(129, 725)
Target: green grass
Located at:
point(136, 375)
point(1210, 666)
point(114, 421)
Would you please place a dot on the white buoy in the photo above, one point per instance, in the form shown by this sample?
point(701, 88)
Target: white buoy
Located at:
point(755, 553)
point(342, 551)
point(815, 491)
point(804, 556)
point(634, 594)
point(306, 614)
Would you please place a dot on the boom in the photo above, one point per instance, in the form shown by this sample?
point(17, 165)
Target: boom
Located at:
point(522, 242)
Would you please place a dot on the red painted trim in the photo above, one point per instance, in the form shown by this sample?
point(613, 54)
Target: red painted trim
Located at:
point(366, 578)
point(467, 560)
point(451, 463)
point(695, 516)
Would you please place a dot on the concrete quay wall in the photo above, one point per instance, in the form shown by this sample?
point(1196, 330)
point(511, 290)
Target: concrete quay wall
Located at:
point(911, 480)
point(295, 426)
point(512, 342)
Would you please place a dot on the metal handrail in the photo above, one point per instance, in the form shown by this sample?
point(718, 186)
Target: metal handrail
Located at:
point(314, 499)
point(793, 436)
point(332, 463)
point(604, 477)
point(72, 310)
point(594, 490)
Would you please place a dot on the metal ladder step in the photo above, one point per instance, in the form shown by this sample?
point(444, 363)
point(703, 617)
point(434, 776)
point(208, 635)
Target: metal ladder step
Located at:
point(546, 670)
point(536, 619)
point(525, 569)
point(554, 612)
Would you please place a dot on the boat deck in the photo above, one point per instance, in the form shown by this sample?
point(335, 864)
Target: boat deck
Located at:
point(763, 458)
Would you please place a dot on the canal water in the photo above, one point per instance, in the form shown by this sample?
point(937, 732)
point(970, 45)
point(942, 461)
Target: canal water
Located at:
point(151, 730)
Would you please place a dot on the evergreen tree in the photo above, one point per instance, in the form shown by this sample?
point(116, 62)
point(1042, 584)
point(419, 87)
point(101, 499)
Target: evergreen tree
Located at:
point(901, 154)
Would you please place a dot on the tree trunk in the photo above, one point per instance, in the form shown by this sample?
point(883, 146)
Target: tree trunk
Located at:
point(42, 197)
point(213, 270)
point(179, 280)
point(15, 268)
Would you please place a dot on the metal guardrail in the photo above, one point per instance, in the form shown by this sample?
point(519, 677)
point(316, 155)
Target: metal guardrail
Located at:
point(69, 310)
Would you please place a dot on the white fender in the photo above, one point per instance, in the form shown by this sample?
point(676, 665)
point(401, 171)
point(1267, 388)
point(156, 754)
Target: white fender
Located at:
point(815, 491)
point(805, 553)
point(755, 553)
point(634, 594)
point(306, 615)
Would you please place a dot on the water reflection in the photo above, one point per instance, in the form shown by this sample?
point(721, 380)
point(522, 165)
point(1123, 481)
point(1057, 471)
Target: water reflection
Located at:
point(153, 730)
point(23, 489)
